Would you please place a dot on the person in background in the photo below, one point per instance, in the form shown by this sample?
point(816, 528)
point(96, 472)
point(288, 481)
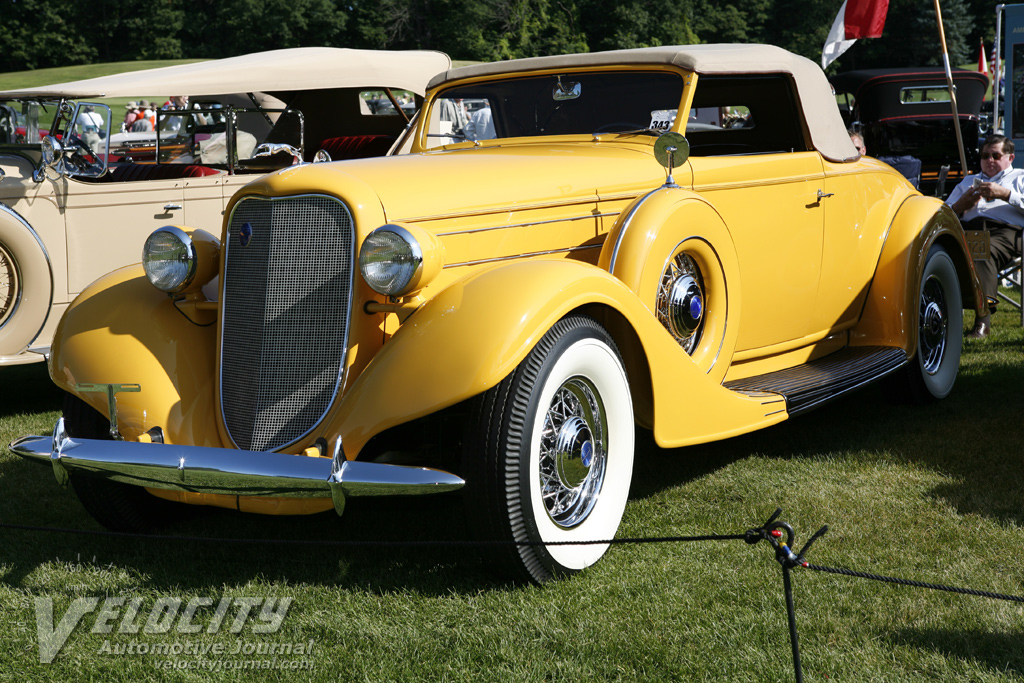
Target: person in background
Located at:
point(858, 141)
point(992, 200)
point(480, 126)
point(131, 115)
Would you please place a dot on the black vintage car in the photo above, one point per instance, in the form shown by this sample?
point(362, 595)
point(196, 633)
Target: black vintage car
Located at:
point(907, 113)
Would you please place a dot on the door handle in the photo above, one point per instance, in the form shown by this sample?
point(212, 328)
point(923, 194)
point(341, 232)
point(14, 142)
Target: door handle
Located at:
point(822, 195)
point(177, 207)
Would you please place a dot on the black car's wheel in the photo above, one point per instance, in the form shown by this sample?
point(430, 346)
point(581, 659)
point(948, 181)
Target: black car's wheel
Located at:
point(549, 453)
point(118, 507)
point(932, 371)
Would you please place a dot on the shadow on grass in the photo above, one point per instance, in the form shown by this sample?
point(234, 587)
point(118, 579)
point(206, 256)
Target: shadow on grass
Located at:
point(1000, 652)
point(972, 438)
point(28, 389)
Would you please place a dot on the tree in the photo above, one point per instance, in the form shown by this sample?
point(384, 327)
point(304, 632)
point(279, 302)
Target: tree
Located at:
point(36, 34)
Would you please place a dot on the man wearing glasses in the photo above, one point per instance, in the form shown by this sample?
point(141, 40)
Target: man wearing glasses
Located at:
point(993, 199)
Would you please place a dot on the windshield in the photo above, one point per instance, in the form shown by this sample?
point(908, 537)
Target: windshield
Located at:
point(20, 121)
point(558, 104)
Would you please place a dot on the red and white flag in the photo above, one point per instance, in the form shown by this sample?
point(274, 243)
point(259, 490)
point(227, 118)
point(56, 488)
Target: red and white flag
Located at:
point(982, 62)
point(856, 19)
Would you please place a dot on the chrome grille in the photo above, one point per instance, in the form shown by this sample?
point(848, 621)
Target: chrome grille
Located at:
point(284, 317)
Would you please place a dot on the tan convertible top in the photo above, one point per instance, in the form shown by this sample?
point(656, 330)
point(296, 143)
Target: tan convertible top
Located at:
point(828, 133)
point(302, 68)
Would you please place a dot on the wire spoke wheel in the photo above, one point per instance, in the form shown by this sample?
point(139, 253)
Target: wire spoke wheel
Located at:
point(934, 325)
point(573, 452)
point(10, 285)
point(931, 371)
point(680, 302)
point(548, 455)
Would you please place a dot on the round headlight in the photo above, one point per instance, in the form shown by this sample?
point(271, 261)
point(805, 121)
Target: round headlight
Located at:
point(390, 259)
point(169, 258)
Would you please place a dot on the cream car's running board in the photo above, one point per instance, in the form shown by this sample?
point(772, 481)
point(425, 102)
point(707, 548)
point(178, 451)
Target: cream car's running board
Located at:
point(811, 384)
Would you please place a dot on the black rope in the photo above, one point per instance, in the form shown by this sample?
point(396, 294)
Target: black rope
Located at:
point(915, 584)
point(295, 541)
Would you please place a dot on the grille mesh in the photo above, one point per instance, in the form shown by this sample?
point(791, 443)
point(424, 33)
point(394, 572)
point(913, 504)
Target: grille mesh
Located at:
point(285, 314)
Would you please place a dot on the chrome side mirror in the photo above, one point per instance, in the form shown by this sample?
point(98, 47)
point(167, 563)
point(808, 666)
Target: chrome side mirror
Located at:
point(671, 150)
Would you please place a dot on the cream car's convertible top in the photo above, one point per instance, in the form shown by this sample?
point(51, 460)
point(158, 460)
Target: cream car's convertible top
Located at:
point(824, 122)
point(303, 68)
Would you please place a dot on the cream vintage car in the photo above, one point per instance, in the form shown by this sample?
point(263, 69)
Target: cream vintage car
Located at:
point(78, 197)
point(680, 238)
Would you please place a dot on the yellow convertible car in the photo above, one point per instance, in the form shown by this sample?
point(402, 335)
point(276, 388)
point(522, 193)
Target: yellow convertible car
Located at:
point(681, 238)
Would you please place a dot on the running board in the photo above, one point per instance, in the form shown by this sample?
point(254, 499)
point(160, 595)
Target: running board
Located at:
point(813, 383)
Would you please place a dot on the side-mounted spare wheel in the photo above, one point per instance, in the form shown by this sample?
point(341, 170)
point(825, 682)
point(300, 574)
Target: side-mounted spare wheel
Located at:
point(932, 370)
point(26, 284)
point(549, 454)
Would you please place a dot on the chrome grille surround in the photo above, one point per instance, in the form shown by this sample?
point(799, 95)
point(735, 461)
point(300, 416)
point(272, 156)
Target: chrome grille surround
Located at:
point(285, 303)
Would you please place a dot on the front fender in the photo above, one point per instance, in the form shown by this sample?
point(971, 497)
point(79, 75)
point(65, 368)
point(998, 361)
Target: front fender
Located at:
point(890, 311)
point(123, 330)
point(470, 336)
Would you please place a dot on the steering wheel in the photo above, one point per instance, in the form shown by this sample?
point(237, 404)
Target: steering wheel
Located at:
point(78, 158)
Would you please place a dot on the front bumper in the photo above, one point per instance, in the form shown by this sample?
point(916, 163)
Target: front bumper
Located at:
point(229, 471)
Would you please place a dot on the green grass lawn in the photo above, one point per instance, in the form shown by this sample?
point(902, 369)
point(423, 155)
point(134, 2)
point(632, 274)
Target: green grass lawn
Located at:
point(36, 77)
point(934, 494)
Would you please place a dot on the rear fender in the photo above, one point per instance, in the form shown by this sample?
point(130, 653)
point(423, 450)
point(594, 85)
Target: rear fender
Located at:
point(890, 311)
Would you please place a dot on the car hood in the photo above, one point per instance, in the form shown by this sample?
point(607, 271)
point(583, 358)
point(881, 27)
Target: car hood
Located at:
point(477, 180)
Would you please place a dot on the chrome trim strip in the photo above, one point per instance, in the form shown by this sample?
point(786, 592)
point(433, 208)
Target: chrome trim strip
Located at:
point(343, 370)
point(625, 226)
point(228, 471)
point(49, 265)
point(508, 209)
point(527, 225)
point(519, 256)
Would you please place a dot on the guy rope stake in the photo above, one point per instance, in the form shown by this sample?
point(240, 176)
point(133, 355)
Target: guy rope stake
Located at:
point(771, 531)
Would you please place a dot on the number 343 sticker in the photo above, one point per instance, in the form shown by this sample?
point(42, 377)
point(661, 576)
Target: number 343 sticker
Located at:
point(662, 119)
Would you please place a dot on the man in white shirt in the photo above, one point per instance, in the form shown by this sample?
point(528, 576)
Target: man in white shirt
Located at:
point(994, 197)
point(480, 126)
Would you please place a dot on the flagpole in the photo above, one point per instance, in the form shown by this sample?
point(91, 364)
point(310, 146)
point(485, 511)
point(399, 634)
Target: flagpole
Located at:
point(952, 93)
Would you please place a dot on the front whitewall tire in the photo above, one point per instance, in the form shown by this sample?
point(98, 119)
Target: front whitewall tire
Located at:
point(593, 360)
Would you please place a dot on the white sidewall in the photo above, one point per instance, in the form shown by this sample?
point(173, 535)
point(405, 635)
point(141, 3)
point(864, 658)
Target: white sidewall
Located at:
point(594, 360)
point(36, 296)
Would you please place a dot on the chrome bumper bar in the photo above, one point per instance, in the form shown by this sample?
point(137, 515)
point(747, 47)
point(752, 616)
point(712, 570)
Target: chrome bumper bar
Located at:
point(229, 471)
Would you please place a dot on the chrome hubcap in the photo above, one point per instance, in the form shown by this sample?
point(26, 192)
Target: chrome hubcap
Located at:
point(932, 342)
point(573, 452)
point(681, 301)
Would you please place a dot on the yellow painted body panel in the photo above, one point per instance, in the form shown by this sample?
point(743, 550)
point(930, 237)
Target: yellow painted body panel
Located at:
point(800, 258)
point(460, 344)
point(123, 330)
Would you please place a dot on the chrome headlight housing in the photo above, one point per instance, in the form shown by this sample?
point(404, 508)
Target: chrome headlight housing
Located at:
point(391, 260)
point(177, 261)
point(52, 150)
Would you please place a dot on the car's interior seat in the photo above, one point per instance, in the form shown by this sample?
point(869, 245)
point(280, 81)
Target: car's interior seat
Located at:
point(357, 146)
point(137, 172)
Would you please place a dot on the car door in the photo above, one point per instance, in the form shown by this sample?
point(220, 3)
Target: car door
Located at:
point(770, 204)
point(752, 160)
point(107, 222)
